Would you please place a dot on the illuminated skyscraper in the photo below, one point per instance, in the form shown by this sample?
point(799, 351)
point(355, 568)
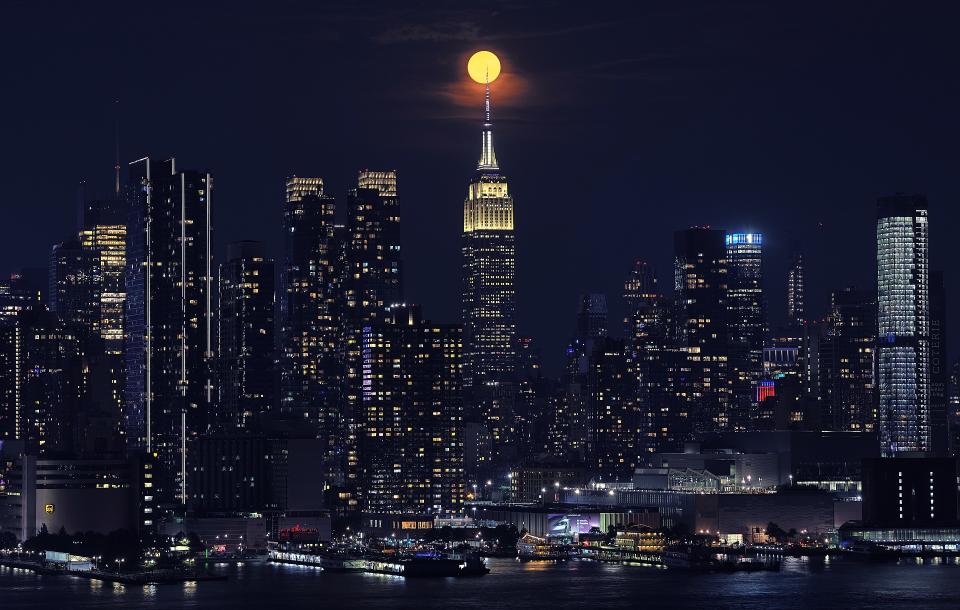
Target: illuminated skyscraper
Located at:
point(40, 380)
point(618, 429)
point(372, 282)
point(796, 285)
point(169, 318)
point(310, 314)
point(92, 302)
point(384, 182)
point(15, 296)
point(745, 318)
point(489, 299)
point(645, 319)
point(489, 260)
point(745, 292)
point(411, 448)
point(246, 337)
point(103, 233)
point(702, 331)
point(903, 331)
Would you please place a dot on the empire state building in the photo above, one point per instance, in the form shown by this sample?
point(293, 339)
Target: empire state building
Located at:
point(489, 261)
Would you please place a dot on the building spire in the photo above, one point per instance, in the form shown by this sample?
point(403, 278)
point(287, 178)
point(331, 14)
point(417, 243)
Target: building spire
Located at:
point(488, 159)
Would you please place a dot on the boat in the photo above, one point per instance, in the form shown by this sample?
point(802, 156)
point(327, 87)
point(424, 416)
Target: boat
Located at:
point(534, 548)
point(703, 559)
point(425, 565)
point(342, 562)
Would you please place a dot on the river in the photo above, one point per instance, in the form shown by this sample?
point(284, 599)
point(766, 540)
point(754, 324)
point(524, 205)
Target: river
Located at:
point(802, 584)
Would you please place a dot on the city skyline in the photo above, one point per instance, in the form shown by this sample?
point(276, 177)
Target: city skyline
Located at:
point(412, 130)
point(681, 334)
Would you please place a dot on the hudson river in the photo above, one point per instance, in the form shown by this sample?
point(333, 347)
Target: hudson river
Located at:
point(802, 584)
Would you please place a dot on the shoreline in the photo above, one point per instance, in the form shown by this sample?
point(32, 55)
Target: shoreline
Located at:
point(140, 578)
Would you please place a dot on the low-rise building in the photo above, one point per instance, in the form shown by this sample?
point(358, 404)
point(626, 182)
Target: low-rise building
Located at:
point(75, 495)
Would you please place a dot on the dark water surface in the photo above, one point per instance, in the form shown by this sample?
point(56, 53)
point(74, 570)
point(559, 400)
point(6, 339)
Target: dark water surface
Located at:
point(807, 584)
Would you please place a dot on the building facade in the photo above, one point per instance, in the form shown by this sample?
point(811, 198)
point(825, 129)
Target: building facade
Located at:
point(848, 364)
point(746, 313)
point(489, 297)
point(170, 326)
point(310, 314)
point(903, 324)
point(411, 450)
point(40, 382)
point(373, 281)
point(246, 337)
point(702, 328)
point(796, 290)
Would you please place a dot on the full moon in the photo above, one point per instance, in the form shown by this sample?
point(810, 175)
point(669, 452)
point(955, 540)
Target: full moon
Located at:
point(483, 67)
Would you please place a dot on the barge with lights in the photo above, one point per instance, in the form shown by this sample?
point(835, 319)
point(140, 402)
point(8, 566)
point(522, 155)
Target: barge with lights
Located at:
point(404, 565)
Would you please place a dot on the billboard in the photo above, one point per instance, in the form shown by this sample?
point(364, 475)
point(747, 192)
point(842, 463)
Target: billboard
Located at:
point(569, 524)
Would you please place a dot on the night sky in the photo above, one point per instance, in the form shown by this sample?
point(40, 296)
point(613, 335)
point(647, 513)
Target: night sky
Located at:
point(615, 123)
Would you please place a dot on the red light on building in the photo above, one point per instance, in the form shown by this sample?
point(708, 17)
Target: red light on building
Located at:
point(765, 390)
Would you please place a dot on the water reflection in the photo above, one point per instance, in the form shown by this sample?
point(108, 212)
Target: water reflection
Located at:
point(831, 583)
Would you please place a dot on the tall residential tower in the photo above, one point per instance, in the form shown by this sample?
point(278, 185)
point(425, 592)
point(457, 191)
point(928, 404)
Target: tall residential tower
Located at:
point(310, 320)
point(903, 323)
point(169, 325)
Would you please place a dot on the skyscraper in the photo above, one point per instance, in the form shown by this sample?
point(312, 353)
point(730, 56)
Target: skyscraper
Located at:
point(374, 279)
point(310, 312)
point(746, 319)
point(645, 319)
point(246, 336)
point(15, 296)
point(592, 316)
point(533, 392)
point(103, 234)
point(848, 361)
point(169, 317)
point(646, 330)
point(102, 239)
point(702, 329)
point(617, 427)
point(489, 261)
point(411, 447)
point(796, 288)
point(372, 282)
point(73, 294)
point(745, 302)
point(39, 380)
point(903, 324)
point(489, 298)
